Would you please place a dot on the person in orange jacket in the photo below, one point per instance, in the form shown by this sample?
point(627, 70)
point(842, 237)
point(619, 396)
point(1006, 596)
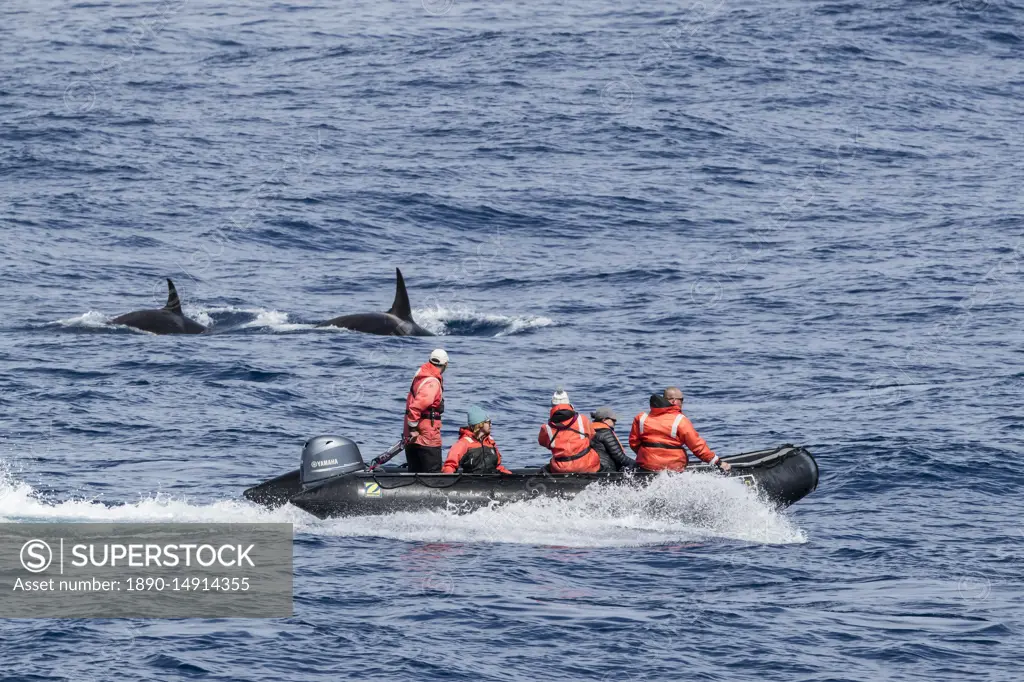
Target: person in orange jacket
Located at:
point(475, 451)
point(659, 437)
point(567, 435)
point(423, 409)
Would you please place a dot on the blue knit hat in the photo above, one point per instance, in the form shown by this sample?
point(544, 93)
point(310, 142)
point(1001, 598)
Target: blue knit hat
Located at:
point(476, 415)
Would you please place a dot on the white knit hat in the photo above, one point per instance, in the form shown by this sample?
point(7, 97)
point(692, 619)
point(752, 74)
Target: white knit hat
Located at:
point(560, 397)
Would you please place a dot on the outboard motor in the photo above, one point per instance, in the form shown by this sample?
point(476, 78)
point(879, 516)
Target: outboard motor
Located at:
point(327, 457)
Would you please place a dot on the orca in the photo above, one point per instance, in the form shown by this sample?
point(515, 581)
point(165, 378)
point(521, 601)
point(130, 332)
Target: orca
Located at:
point(167, 320)
point(395, 322)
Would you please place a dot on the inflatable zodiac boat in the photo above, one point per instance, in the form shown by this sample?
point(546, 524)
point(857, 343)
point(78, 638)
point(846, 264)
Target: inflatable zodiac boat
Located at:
point(334, 481)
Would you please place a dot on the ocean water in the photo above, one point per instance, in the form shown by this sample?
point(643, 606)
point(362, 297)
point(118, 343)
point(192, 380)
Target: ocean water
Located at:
point(806, 214)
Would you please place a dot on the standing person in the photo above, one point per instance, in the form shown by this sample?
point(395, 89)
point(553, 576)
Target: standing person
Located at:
point(423, 409)
point(607, 443)
point(475, 451)
point(567, 435)
point(658, 437)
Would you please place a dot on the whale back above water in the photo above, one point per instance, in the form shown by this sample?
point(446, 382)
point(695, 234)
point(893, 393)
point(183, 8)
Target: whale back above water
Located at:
point(397, 321)
point(167, 320)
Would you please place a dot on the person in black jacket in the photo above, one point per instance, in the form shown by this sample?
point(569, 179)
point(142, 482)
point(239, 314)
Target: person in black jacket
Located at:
point(607, 444)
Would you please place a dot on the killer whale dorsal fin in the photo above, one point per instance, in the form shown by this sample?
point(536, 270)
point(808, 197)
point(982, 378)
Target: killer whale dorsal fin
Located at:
point(173, 302)
point(401, 308)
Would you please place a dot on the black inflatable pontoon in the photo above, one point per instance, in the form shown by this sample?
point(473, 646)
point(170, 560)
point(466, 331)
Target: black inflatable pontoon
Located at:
point(334, 481)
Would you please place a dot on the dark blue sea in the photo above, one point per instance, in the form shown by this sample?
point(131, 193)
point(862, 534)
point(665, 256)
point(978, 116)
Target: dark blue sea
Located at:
point(807, 214)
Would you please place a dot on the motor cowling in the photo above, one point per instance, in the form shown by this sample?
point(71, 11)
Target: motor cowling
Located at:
point(327, 457)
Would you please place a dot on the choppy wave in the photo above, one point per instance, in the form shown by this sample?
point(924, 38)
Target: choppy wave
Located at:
point(462, 321)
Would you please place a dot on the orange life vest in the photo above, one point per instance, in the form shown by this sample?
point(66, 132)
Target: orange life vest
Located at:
point(436, 408)
point(473, 456)
point(423, 409)
point(660, 442)
point(569, 442)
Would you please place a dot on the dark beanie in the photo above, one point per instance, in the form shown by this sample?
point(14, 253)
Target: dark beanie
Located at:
point(658, 400)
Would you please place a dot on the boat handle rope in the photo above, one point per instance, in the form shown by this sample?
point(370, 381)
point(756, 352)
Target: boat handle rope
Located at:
point(416, 479)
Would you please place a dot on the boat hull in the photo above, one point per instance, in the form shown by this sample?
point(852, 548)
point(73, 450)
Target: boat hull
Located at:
point(783, 475)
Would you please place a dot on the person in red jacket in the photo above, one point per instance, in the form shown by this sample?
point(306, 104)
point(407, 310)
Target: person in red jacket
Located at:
point(659, 437)
point(567, 435)
point(475, 451)
point(423, 409)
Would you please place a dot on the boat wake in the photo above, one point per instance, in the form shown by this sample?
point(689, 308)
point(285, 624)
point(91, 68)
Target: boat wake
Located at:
point(672, 509)
point(20, 503)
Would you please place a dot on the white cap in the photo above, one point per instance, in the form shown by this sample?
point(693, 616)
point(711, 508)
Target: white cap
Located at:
point(438, 357)
point(560, 397)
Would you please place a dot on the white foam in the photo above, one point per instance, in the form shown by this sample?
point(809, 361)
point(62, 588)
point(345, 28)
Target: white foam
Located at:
point(202, 317)
point(276, 321)
point(437, 320)
point(205, 316)
point(90, 320)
